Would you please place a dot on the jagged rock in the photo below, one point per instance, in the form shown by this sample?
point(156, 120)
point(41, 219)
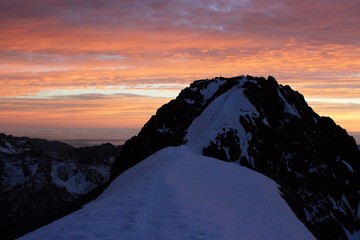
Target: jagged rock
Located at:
point(42, 181)
point(271, 129)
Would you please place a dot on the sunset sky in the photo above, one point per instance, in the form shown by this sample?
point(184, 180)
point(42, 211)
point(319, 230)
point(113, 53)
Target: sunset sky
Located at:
point(111, 64)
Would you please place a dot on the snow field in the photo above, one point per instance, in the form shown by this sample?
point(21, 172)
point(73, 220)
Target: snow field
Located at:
point(176, 194)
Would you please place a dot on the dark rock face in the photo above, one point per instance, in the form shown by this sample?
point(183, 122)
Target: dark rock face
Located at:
point(39, 186)
point(227, 139)
point(269, 128)
point(166, 128)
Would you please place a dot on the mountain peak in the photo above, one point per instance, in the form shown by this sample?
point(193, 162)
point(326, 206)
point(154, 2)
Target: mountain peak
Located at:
point(267, 127)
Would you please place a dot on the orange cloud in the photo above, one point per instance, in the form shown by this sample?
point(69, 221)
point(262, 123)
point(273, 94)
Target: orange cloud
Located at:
point(56, 46)
point(114, 111)
point(346, 115)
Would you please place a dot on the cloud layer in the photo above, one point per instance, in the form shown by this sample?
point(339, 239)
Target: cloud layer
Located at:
point(88, 46)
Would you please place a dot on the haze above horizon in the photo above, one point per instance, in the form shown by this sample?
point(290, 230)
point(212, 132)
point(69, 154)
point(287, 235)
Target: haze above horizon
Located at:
point(111, 64)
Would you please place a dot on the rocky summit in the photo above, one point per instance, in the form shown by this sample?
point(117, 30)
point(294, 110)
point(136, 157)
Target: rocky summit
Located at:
point(269, 128)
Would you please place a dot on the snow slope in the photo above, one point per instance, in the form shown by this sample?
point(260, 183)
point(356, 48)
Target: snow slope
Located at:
point(176, 194)
point(222, 113)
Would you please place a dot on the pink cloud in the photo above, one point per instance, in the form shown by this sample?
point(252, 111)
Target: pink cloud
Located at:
point(47, 45)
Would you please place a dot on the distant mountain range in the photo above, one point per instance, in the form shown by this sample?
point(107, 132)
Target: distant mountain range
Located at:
point(245, 122)
point(44, 180)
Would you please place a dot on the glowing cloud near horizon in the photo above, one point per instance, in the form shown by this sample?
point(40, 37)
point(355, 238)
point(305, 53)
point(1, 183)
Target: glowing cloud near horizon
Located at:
point(56, 56)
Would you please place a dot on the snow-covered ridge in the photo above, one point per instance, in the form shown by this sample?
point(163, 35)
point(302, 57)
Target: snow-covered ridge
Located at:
point(176, 194)
point(221, 113)
point(260, 124)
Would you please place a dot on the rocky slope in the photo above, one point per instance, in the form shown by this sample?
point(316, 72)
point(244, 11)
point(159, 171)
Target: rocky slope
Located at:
point(269, 128)
point(41, 180)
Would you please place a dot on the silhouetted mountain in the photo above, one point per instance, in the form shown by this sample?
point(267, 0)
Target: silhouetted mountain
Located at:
point(94, 154)
point(42, 180)
point(271, 129)
point(50, 146)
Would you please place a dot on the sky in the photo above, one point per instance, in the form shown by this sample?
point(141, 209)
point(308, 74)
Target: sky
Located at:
point(111, 64)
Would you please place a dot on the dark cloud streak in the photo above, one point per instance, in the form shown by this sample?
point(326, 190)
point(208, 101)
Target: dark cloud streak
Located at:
point(322, 21)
